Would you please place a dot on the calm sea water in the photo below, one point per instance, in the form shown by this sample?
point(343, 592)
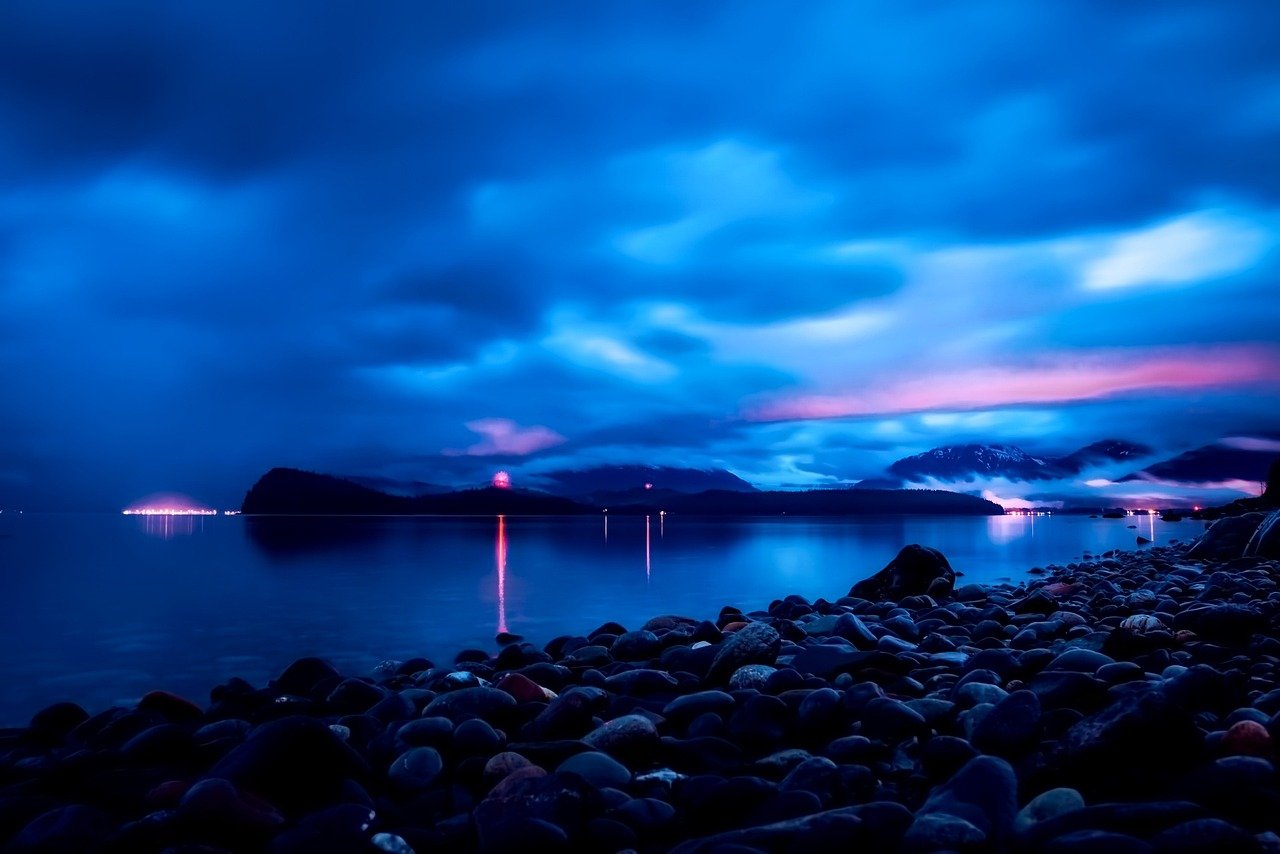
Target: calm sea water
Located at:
point(102, 608)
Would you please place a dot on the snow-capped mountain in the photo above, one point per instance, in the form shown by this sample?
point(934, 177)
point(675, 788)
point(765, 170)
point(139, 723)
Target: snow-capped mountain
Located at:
point(963, 462)
point(967, 462)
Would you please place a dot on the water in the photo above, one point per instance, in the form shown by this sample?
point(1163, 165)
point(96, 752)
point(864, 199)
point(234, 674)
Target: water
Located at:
point(100, 609)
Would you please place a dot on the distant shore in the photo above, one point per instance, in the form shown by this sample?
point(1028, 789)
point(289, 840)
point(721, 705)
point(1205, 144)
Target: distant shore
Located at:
point(1127, 700)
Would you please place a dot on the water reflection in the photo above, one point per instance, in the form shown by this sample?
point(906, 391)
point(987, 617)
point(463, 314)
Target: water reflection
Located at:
point(500, 558)
point(168, 526)
point(648, 561)
point(1006, 529)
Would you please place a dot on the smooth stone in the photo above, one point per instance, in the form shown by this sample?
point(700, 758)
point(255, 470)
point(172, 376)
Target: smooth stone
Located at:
point(1247, 738)
point(817, 775)
point(568, 715)
point(1140, 734)
point(521, 688)
point(391, 843)
point(756, 643)
point(502, 764)
point(597, 768)
point(216, 803)
point(1047, 805)
point(1206, 835)
point(646, 815)
point(888, 719)
point(1097, 842)
point(479, 701)
point(294, 762)
point(628, 738)
point(642, 683)
point(762, 722)
point(58, 719)
point(689, 706)
point(434, 731)
point(975, 693)
point(393, 707)
point(942, 832)
point(943, 755)
point(523, 834)
point(851, 628)
point(353, 696)
point(1068, 689)
point(751, 676)
point(984, 793)
point(476, 738)
point(303, 675)
point(832, 830)
point(639, 645)
point(1012, 727)
point(1080, 661)
point(416, 768)
point(171, 706)
point(1226, 622)
point(68, 828)
point(820, 713)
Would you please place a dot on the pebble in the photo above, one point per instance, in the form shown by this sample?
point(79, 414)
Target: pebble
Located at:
point(1129, 702)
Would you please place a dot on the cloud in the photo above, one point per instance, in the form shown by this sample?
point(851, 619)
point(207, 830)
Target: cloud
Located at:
point(1192, 248)
point(628, 218)
point(1253, 443)
point(503, 437)
point(1085, 377)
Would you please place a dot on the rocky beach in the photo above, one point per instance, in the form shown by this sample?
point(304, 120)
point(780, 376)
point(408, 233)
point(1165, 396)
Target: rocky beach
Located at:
point(1126, 703)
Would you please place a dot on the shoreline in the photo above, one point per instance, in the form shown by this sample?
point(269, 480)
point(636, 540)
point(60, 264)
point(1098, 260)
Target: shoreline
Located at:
point(1131, 696)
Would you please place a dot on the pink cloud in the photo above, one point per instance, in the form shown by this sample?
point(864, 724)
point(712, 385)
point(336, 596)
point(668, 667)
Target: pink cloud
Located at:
point(502, 436)
point(1062, 379)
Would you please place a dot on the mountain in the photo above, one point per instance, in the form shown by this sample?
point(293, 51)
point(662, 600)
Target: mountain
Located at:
point(404, 488)
point(603, 483)
point(284, 491)
point(965, 462)
point(825, 502)
point(1210, 464)
point(1106, 451)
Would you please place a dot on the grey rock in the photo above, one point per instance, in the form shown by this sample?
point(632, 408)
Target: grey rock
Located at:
point(754, 643)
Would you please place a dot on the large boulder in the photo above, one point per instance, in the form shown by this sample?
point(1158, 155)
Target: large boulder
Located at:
point(1226, 538)
point(1265, 541)
point(296, 763)
point(915, 571)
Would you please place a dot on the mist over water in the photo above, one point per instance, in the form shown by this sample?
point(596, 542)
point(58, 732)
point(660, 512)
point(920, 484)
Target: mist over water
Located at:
point(100, 609)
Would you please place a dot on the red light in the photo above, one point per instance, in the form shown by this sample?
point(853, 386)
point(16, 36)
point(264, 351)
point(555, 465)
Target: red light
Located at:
point(502, 480)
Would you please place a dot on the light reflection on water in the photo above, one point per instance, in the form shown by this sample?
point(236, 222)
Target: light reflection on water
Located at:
point(500, 558)
point(167, 526)
point(115, 606)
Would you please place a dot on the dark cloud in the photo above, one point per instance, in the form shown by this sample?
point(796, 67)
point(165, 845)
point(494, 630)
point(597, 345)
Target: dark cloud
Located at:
point(240, 235)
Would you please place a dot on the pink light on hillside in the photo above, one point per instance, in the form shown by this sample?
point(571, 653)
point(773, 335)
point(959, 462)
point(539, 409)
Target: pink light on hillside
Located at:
point(501, 480)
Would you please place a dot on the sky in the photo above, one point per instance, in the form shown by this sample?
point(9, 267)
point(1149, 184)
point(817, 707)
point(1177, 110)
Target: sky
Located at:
point(796, 241)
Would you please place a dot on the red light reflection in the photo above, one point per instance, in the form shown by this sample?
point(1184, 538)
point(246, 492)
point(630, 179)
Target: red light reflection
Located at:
point(500, 558)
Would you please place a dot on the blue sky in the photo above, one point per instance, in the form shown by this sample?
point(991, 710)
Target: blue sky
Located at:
point(797, 242)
